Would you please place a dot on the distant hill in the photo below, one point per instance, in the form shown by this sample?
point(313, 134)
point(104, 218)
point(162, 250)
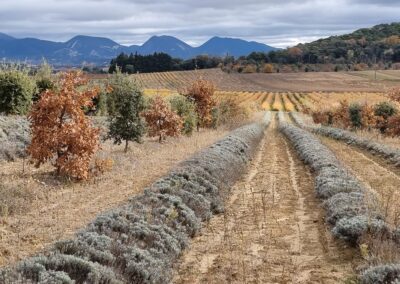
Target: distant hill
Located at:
point(236, 47)
point(100, 50)
point(166, 44)
point(5, 37)
point(379, 44)
point(363, 49)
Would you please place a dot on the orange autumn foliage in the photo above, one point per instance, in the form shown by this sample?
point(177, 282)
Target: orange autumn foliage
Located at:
point(394, 94)
point(161, 120)
point(368, 118)
point(341, 115)
point(201, 92)
point(60, 130)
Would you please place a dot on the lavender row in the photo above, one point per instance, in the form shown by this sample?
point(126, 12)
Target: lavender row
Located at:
point(390, 153)
point(351, 209)
point(140, 241)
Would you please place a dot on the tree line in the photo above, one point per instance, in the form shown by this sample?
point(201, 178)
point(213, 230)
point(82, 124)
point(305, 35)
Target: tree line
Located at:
point(377, 47)
point(58, 107)
point(160, 62)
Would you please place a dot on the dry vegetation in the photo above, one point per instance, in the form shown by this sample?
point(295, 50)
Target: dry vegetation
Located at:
point(311, 208)
point(38, 209)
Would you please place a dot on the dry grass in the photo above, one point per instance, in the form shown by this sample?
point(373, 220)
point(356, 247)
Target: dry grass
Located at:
point(321, 101)
point(376, 135)
point(376, 175)
point(43, 209)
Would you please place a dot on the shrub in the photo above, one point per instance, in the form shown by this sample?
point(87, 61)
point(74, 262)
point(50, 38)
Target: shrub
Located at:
point(60, 128)
point(360, 67)
point(44, 80)
point(268, 68)
point(351, 229)
point(383, 111)
point(322, 117)
point(161, 120)
point(42, 85)
point(125, 104)
point(100, 103)
point(393, 125)
point(14, 137)
point(368, 118)
point(16, 91)
point(186, 110)
point(341, 115)
point(381, 274)
point(229, 113)
point(355, 113)
point(201, 92)
point(249, 69)
point(394, 94)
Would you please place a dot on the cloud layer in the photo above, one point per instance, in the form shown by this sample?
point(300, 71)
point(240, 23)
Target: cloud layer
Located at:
point(275, 22)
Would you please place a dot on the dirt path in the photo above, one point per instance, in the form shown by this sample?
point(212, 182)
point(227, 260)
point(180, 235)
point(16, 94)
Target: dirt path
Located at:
point(272, 230)
point(374, 172)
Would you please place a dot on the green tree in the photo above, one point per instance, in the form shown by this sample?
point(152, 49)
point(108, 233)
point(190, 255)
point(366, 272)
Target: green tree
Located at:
point(384, 111)
point(355, 113)
point(125, 103)
point(186, 110)
point(16, 91)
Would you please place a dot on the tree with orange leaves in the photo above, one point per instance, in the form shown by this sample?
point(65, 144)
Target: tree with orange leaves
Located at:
point(161, 120)
point(60, 129)
point(394, 94)
point(341, 116)
point(201, 92)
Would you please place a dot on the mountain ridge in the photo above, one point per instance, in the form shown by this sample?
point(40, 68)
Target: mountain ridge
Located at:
point(100, 50)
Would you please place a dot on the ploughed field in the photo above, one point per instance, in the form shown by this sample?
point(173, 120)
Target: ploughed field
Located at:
point(278, 92)
point(363, 81)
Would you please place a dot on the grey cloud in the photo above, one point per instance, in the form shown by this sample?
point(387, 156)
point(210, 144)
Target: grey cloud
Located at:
point(131, 22)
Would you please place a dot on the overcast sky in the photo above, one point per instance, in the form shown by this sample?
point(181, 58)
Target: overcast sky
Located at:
point(278, 23)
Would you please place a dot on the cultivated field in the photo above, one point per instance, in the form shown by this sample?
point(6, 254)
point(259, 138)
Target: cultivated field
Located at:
point(278, 200)
point(277, 82)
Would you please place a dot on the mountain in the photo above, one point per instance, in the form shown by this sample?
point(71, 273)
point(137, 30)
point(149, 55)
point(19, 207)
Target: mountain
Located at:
point(100, 51)
point(236, 47)
point(30, 49)
point(167, 44)
point(5, 37)
point(90, 49)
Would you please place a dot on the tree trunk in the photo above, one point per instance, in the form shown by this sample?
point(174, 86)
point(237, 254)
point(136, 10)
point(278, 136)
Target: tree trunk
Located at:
point(126, 146)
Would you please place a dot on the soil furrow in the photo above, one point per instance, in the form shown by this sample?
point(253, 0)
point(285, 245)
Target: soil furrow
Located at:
point(272, 230)
point(374, 172)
